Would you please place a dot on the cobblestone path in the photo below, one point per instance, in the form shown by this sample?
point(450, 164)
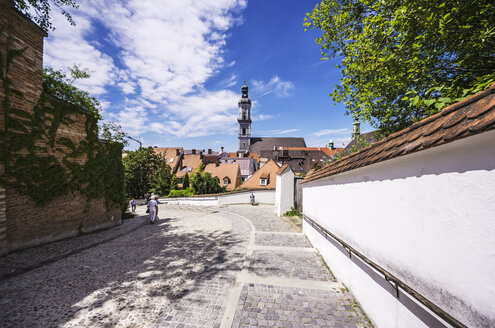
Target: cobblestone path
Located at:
point(237, 266)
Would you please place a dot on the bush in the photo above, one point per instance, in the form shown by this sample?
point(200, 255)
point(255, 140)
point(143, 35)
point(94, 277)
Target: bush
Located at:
point(185, 181)
point(204, 183)
point(181, 193)
point(293, 212)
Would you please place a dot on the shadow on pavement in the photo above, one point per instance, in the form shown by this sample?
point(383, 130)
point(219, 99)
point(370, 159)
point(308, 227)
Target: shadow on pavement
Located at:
point(156, 264)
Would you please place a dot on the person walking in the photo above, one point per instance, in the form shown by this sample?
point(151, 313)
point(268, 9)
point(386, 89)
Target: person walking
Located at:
point(153, 208)
point(157, 203)
point(133, 205)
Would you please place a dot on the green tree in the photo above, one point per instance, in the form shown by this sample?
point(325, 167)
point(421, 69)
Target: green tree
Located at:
point(161, 179)
point(174, 185)
point(204, 183)
point(39, 10)
point(112, 131)
point(185, 181)
point(140, 171)
point(406, 60)
point(58, 84)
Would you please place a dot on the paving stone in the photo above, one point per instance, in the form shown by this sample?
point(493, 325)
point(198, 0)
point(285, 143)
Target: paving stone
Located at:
point(287, 240)
point(289, 264)
point(262, 217)
point(317, 301)
point(177, 273)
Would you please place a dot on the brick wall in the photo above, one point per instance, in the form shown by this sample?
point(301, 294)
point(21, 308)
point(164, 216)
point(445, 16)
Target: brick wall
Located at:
point(22, 223)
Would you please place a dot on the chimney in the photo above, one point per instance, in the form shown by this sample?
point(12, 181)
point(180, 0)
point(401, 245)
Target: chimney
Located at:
point(193, 152)
point(356, 130)
point(209, 151)
point(221, 149)
point(330, 144)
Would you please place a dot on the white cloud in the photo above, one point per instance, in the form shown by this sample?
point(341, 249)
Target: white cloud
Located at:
point(262, 117)
point(279, 131)
point(132, 119)
point(209, 112)
point(330, 131)
point(66, 46)
point(170, 47)
point(279, 87)
point(127, 87)
point(166, 51)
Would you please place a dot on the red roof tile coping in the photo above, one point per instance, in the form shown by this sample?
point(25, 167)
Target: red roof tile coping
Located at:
point(282, 169)
point(473, 115)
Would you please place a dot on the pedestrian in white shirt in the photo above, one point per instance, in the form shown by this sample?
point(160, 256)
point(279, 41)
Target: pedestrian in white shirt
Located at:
point(153, 207)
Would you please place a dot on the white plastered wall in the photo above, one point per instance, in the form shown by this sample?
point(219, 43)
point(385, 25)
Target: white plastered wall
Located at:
point(260, 196)
point(284, 192)
point(428, 218)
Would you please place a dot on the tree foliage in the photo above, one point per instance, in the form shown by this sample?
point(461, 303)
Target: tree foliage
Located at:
point(174, 184)
point(39, 11)
point(112, 131)
point(160, 180)
point(58, 84)
point(185, 181)
point(145, 171)
point(204, 183)
point(406, 60)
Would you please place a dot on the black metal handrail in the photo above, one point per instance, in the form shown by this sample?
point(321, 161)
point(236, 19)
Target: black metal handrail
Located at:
point(391, 278)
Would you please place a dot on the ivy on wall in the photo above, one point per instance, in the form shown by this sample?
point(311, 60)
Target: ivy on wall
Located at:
point(40, 164)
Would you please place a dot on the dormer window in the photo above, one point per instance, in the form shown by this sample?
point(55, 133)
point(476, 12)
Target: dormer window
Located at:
point(190, 169)
point(184, 169)
point(226, 181)
point(264, 179)
point(172, 160)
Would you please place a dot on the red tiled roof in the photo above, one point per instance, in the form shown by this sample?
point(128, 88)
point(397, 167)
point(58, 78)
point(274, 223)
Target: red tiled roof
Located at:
point(269, 170)
point(329, 152)
point(468, 117)
point(282, 169)
point(230, 171)
point(191, 164)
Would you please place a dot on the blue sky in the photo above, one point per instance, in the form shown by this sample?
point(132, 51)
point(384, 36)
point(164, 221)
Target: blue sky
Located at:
point(170, 71)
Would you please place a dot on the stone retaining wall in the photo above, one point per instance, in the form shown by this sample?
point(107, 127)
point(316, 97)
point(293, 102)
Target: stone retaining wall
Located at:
point(22, 223)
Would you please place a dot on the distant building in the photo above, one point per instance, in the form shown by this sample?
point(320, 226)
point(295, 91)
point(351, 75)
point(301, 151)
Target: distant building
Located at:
point(358, 140)
point(244, 119)
point(247, 165)
point(264, 178)
point(190, 164)
point(172, 156)
point(256, 145)
point(301, 159)
point(228, 174)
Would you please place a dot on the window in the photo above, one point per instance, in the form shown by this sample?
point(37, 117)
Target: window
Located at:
point(184, 169)
point(172, 160)
point(190, 169)
point(263, 181)
point(226, 181)
point(243, 131)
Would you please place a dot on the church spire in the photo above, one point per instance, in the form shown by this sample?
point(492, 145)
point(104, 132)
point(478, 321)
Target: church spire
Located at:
point(244, 119)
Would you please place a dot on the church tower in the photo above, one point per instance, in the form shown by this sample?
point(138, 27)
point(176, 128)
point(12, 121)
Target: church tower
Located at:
point(244, 119)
